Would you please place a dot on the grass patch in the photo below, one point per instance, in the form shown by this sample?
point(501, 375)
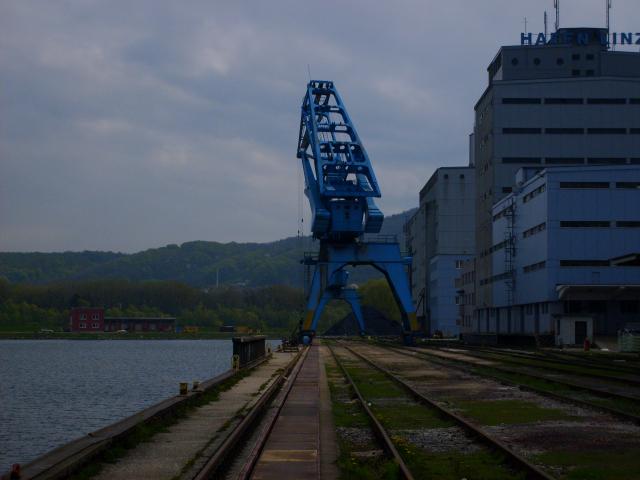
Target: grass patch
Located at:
point(510, 412)
point(550, 364)
point(628, 406)
point(404, 416)
point(590, 465)
point(481, 465)
point(373, 384)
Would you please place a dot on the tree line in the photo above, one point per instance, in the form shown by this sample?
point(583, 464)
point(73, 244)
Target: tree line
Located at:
point(26, 307)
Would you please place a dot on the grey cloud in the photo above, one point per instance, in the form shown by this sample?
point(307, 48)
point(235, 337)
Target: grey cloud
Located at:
point(127, 125)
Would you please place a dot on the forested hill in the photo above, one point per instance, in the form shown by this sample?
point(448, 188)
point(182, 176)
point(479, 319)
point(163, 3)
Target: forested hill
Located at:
point(195, 263)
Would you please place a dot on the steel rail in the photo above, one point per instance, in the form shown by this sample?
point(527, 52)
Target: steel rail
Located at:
point(569, 383)
point(532, 471)
point(551, 360)
point(455, 364)
point(224, 452)
point(379, 430)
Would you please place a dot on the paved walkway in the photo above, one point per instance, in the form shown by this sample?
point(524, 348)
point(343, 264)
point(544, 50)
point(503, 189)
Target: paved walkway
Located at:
point(298, 447)
point(169, 452)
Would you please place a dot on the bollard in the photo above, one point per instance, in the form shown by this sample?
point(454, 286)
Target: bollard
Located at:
point(196, 385)
point(269, 350)
point(235, 362)
point(184, 388)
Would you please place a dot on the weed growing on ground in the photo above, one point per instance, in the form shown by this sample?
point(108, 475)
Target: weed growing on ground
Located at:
point(497, 412)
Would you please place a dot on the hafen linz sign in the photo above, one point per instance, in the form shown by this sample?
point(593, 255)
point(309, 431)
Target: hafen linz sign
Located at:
point(585, 37)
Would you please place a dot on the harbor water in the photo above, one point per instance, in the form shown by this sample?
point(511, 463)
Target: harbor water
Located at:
point(53, 391)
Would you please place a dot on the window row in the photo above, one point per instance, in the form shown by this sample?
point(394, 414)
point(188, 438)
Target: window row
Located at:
point(569, 101)
point(93, 325)
point(570, 131)
point(570, 160)
point(599, 224)
point(533, 230)
point(534, 193)
point(622, 185)
point(534, 267)
point(496, 278)
point(94, 316)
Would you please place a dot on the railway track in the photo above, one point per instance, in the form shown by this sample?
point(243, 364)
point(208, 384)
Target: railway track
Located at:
point(380, 432)
point(237, 456)
point(518, 464)
point(486, 371)
point(548, 362)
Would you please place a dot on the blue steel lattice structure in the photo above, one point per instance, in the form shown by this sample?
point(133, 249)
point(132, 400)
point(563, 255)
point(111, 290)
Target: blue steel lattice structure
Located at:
point(341, 186)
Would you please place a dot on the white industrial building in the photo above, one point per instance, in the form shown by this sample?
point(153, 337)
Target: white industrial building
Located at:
point(568, 262)
point(565, 104)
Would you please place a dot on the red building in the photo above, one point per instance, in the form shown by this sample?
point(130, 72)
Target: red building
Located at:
point(92, 319)
point(86, 319)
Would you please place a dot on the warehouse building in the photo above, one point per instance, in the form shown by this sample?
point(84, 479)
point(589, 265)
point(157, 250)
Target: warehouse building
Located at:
point(568, 264)
point(563, 104)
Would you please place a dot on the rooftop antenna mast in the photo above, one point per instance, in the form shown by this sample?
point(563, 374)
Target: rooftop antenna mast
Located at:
point(545, 24)
point(556, 5)
point(608, 14)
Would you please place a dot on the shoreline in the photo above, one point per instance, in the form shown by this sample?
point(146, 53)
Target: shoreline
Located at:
point(130, 336)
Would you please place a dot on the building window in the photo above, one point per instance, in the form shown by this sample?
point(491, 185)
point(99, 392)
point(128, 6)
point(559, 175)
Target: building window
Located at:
point(606, 131)
point(564, 131)
point(512, 131)
point(563, 101)
point(631, 185)
point(544, 307)
point(634, 101)
point(575, 56)
point(590, 73)
point(575, 73)
point(585, 224)
point(534, 267)
point(529, 309)
point(564, 160)
point(534, 230)
point(83, 316)
point(584, 184)
point(521, 101)
point(521, 160)
point(536, 61)
point(459, 264)
point(95, 316)
point(507, 189)
point(534, 193)
point(462, 176)
point(560, 61)
point(634, 131)
point(606, 161)
point(584, 263)
point(590, 56)
point(628, 224)
point(95, 325)
point(82, 325)
point(606, 101)
point(514, 61)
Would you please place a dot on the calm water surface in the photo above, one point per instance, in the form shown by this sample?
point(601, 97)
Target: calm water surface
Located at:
point(53, 391)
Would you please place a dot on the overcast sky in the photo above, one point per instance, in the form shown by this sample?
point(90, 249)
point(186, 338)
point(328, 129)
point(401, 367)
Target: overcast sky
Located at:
point(129, 124)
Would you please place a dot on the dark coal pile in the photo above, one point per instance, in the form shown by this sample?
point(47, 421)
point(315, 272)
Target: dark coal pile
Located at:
point(374, 321)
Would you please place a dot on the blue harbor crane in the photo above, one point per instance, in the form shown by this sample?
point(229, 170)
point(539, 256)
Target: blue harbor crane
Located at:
point(341, 186)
